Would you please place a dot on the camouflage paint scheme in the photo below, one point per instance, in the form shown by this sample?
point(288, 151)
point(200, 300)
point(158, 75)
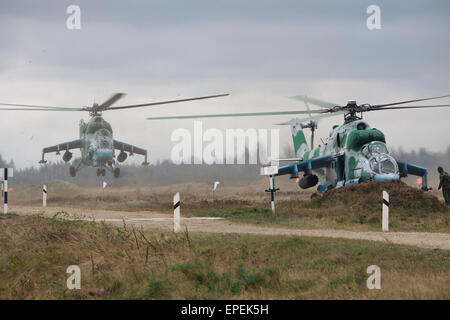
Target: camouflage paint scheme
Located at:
point(353, 153)
point(97, 148)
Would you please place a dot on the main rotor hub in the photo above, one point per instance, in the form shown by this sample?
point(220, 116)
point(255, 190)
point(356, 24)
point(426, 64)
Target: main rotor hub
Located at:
point(94, 113)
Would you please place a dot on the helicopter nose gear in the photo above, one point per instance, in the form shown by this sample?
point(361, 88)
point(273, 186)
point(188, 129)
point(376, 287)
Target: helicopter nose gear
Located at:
point(73, 171)
point(101, 172)
point(116, 172)
point(67, 156)
point(122, 156)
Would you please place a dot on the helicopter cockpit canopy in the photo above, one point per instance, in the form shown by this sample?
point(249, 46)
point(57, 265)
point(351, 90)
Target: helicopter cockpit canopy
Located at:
point(103, 139)
point(383, 164)
point(379, 159)
point(374, 148)
point(378, 147)
point(103, 133)
point(98, 124)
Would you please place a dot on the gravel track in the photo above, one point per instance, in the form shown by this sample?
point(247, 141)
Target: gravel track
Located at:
point(161, 221)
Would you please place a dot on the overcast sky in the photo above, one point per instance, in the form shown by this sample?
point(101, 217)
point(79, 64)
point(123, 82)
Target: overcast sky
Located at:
point(261, 52)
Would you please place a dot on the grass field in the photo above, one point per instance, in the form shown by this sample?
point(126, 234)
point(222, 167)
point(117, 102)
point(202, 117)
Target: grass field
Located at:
point(125, 263)
point(352, 208)
point(356, 207)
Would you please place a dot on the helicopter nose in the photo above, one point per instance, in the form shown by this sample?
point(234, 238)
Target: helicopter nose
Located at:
point(102, 157)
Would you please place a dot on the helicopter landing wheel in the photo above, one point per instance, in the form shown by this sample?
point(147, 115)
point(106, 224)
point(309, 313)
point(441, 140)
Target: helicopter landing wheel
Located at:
point(73, 171)
point(116, 172)
point(103, 172)
point(98, 172)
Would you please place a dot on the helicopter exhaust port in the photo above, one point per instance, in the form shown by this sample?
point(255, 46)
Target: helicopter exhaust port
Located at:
point(122, 156)
point(308, 181)
point(67, 156)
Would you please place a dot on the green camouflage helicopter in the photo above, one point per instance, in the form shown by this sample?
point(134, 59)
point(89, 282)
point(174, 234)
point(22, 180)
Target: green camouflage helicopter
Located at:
point(353, 153)
point(96, 141)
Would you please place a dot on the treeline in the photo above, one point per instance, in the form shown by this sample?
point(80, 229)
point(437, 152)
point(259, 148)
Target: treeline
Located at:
point(424, 158)
point(161, 173)
point(6, 164)
point(166, 172)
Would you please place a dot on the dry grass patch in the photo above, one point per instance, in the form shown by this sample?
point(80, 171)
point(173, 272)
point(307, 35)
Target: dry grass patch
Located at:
point(127, 263)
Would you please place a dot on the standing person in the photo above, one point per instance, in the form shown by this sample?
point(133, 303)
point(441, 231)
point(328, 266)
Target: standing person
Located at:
point(444, 179)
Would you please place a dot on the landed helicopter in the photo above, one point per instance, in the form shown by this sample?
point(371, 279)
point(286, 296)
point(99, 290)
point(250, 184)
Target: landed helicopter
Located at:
point(96, 141)
point(353, 153)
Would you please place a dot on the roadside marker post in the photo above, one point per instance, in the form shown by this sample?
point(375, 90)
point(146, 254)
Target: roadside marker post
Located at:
point(385, 212)
point(44, 195)
point(272, 191)
point(216, 183)
point(176, 213)
point(271, 171)
point(5, 173)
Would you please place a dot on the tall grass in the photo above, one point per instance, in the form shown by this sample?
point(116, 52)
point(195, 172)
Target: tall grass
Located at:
point(123, 262)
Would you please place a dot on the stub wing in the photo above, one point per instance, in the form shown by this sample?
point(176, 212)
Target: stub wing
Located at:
point(126, 147)
point(306, 166)
point(405, 168)
point(75, 144)
point(65, 146)
point(285, 159)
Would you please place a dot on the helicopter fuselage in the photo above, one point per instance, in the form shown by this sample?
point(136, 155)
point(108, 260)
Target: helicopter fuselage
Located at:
point(358, 152)
point(97, 143)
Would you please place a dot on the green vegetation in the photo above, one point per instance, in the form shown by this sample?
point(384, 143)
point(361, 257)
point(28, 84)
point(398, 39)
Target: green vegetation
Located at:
point(128, 263)
point(353, 207)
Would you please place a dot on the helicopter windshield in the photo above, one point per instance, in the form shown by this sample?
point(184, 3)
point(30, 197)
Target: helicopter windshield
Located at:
point(388, 166)
point(378, 148)
point(98, 124)
point(383, 163)
point(103, 139)
point(374, 148)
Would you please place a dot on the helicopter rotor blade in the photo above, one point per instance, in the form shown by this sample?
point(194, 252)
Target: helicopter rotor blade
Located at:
point(311, 118)
point(31, 106)
point(250, 114)
point(308, 108)
point(105, 105)
point(167, 102)
point(413, 107)
point(40, 109)
point(314, 101)
point(409, 101)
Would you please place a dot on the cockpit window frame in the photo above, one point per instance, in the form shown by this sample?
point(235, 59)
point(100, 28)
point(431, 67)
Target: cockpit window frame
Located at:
point(378, 143)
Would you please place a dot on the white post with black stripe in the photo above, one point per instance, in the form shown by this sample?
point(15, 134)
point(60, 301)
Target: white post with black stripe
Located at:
point(5, 174)
point(44, 195)
point(176, 212)
point(272, 194)
point(385, 214)
point(271, 171)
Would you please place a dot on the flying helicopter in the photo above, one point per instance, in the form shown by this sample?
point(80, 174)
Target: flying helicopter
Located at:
point(354, 152)
point(96, 141)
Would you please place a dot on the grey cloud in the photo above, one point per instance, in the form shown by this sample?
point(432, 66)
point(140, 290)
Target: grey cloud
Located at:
point(260, 51)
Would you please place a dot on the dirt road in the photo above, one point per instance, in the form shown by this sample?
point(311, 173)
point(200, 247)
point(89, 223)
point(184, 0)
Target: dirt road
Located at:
point(157, 220)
